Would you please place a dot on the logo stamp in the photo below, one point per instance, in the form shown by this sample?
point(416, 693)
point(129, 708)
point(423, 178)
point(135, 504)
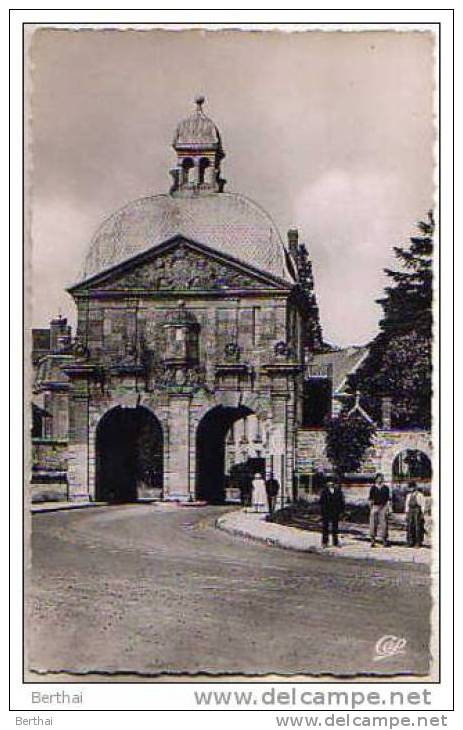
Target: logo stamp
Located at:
point(388, 646)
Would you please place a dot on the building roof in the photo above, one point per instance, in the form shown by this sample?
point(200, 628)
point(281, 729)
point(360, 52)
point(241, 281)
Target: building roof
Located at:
point(197, 130)
point(343, 362)
point(229, 223)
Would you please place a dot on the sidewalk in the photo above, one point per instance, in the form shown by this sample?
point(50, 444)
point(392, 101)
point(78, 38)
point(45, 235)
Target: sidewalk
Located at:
point(56, 506)
point(255, 527)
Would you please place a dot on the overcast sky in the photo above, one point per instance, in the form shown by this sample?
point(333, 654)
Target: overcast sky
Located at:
point(332, 133)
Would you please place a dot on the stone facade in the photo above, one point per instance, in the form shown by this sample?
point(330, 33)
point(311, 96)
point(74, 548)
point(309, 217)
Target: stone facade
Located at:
point(246, 361)
point(192, 317)
point(196, 326)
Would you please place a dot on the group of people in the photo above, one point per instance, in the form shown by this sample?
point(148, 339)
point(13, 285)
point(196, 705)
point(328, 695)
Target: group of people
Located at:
point(332, 506)
point(258, 493)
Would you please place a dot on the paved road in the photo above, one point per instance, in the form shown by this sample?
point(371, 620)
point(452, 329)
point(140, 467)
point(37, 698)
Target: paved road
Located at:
point(150, 589)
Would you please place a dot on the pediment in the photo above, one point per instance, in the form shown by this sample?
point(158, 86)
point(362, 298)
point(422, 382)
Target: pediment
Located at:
point(180, 265)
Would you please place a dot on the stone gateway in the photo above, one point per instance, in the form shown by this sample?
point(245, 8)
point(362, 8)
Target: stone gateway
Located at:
point(198, 352)
point(193, 321)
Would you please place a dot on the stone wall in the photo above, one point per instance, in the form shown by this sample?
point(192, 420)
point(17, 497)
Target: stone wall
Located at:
point(49, 455)
point(310, 451)
point(254, 323)
point(49, 470)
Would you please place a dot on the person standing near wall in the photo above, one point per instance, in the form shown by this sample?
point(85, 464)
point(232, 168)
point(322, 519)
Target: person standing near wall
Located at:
point(332, 505)
point(415, 505)
point(272, 486)
point(379, 499)
point(259, 494)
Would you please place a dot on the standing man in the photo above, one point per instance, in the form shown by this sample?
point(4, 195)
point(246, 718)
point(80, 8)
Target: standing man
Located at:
point(332, 505)
point(273, 487)
point(246, 482)
point(379, 499)
point(415, 505)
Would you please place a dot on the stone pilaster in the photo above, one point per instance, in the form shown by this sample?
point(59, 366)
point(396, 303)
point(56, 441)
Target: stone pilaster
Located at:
point(177, 483)
point(78, 449)
point(282, 375)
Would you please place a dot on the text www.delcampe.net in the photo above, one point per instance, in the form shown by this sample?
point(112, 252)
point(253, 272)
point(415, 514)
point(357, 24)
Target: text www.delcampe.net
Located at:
point(317, 699)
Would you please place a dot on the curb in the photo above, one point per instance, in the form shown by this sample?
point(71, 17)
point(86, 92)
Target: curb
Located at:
point(270, 541)
point(221, 524)
point(61, 507)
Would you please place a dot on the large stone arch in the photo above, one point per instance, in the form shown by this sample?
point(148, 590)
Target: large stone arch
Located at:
point(390, 444)
point(210, 449)
point(99, 411)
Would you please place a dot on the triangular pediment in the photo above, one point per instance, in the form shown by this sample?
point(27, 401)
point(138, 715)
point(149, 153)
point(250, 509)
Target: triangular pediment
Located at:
point(180, 265)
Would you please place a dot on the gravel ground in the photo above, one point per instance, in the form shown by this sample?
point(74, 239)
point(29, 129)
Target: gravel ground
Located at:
point(151, 590)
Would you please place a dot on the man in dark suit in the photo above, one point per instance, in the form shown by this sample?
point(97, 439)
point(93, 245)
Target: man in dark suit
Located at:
point(272, 487)
point(332, 505)
point(246, 486)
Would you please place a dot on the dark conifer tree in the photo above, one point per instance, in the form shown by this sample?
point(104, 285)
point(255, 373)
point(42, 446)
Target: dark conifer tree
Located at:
point(398, 364)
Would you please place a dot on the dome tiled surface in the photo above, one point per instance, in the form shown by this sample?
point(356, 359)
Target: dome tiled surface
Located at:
point(229, 223)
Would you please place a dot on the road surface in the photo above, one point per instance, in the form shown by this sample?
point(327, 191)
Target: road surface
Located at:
point(153, 589)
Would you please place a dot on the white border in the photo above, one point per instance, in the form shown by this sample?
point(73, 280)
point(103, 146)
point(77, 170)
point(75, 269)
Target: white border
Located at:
point(179, 696)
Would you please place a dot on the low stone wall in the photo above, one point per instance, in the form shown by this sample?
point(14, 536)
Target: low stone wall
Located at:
point(48, 474)
point(310, 452)
point(49, 455)
point(51, 492)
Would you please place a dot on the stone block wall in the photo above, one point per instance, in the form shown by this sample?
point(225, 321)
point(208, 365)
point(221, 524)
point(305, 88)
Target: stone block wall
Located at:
point(255, 324)
point(49, 455)
point(310, 451)
point(49, 470)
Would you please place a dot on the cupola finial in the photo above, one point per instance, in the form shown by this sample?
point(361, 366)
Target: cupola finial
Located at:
point(199, 101)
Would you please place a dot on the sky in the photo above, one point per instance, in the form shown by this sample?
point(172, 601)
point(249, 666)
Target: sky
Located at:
point(331, 132)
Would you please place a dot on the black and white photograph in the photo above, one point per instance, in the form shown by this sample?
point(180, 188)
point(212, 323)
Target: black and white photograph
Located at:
point(231, 312)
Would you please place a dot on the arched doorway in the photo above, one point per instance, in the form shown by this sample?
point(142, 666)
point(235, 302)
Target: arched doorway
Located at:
point(411, 464)
point(129, 455)
point(213, 436)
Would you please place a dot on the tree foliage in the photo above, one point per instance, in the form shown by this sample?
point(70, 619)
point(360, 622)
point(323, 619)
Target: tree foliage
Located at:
point(348, 436)
point(398, 364)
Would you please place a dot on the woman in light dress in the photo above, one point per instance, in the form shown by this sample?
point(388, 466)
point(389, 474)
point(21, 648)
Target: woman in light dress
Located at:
point(259, 494)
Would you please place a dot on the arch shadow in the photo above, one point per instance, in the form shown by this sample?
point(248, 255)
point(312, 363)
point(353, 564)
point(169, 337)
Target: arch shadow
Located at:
point(411, 464)
point(210, 451)
point(129, 455)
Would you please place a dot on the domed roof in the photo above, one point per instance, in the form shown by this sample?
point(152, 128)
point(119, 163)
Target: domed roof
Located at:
point(229, 223)
point(197, 130)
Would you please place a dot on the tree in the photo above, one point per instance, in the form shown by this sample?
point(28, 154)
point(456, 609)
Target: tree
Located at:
point(348, 436)
point(398, 364)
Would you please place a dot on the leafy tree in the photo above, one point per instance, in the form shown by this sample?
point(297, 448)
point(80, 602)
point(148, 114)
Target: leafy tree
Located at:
point(348, 436)
point(398, 364)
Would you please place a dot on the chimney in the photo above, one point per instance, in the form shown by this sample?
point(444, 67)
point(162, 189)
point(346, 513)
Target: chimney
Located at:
point(58, 328)
point(386, 412)
point(293, 241)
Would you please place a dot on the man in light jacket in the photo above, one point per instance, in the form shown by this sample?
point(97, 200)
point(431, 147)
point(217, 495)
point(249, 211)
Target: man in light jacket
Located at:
point(380, 507)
